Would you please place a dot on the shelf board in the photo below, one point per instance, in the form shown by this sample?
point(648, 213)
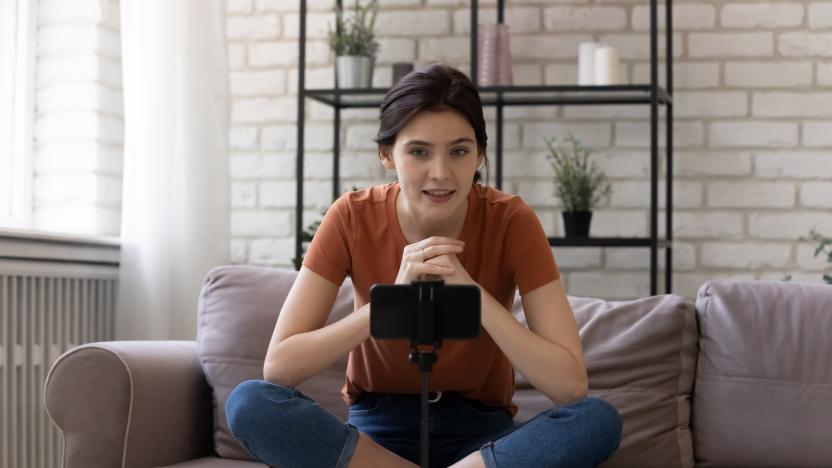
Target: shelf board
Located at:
point(605, 242)
point(508, 95)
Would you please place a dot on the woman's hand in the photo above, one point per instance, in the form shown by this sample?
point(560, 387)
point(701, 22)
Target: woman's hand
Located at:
point(430, 257)
point(459, 274)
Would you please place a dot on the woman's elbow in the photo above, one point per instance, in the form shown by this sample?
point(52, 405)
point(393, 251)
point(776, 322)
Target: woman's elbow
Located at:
point(275, 371)
point(581, 387)
point(577, 390)
point(278, 376)
point(581, 391)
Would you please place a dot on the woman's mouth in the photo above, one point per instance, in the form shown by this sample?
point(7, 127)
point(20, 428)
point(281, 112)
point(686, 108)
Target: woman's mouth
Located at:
point(439, 196)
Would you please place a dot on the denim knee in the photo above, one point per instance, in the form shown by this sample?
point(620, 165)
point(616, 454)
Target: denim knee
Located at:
point(246, 402)
point(281, 426)
point(606, 419)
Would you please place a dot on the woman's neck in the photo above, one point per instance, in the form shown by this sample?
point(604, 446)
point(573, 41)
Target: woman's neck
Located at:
point(415, 229)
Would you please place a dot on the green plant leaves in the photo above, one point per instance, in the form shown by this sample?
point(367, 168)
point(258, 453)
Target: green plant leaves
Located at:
point(579, 183)
point(357, 36)
point(825, 247)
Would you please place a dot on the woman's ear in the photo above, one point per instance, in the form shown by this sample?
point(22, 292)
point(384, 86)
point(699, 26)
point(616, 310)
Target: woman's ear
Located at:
point(385, 155)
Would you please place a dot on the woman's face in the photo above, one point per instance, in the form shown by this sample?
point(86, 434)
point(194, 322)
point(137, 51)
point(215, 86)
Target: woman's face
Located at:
point(435, 157)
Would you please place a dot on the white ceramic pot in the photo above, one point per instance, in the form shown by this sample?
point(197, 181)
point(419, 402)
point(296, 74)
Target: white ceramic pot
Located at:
point(354, 71)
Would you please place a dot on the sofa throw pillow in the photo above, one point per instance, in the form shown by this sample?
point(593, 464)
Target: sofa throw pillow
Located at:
point(640, 357)
point(238, 309)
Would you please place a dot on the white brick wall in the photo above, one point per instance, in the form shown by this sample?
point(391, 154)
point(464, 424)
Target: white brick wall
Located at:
point(752, 166)
point(768, 74)
point(79, 123)
point(762, 15)
point(597, 18)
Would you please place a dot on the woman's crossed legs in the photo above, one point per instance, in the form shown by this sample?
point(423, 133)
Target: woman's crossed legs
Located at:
point(283, 427)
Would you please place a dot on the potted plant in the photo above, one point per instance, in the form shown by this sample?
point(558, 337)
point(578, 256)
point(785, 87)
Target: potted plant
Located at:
point(579, 184)
point(355, 46)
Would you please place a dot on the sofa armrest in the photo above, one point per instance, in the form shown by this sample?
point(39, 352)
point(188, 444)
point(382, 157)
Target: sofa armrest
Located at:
point(130, 404)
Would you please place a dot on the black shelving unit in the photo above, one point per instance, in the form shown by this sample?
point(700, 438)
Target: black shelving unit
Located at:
point(650, 94)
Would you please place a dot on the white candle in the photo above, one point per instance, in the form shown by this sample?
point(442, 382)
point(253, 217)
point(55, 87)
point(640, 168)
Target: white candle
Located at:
point(607, 66)
point(586, 63)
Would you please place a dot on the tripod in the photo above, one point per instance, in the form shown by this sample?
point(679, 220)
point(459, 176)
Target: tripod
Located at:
point(424, 312)
point(425, 359)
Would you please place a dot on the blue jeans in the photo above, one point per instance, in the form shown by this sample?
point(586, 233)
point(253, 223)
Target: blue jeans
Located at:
point(281, 426)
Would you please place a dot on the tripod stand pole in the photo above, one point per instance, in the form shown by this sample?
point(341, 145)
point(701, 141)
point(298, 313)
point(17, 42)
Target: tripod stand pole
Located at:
point(423, 434)
point(425, 361)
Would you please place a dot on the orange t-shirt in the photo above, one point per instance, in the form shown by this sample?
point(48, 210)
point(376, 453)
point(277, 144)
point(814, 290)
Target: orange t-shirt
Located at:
point(505, 248)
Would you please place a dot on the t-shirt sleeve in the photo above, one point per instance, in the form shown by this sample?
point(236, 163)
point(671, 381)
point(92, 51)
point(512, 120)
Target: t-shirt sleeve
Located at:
point(329, 252)
point(528, 253)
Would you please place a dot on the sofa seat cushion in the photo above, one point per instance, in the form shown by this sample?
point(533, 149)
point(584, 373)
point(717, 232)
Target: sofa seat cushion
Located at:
point(763, 393)
point(640, 357)
point(214, 462)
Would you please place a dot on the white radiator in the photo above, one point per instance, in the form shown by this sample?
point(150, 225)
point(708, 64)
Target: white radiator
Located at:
point(55, 293)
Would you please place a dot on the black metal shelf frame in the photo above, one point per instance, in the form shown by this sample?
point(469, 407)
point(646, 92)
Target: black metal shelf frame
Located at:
point(507, 96)
point(650, 94)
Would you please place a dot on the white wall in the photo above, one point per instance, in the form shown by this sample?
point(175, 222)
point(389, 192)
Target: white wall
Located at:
point(752, 128)
point(79, 124)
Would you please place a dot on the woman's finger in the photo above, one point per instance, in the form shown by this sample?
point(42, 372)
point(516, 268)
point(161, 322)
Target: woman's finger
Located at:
point(432, 268)
point(439, 240)
point(437, 250)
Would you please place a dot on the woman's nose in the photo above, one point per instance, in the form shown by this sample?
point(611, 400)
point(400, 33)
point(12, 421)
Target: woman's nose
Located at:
point(439, 169)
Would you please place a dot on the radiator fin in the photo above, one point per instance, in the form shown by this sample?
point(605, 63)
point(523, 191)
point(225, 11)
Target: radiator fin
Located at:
point(41, 317)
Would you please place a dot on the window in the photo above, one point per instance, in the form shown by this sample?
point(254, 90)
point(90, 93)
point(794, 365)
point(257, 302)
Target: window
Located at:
point(17, 57)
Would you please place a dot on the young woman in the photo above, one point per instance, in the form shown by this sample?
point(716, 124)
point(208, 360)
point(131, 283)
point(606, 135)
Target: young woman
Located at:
point(433, 222)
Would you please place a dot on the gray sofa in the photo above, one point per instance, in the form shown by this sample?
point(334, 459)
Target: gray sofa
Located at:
point(743, 378)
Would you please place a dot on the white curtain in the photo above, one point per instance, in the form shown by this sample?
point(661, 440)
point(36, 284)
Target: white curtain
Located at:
point(175, 207)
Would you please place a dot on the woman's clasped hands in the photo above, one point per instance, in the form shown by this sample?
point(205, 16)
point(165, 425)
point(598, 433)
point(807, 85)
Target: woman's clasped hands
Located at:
point(433, 258)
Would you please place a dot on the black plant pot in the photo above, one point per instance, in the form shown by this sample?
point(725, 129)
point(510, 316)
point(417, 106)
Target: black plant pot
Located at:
point(577, 223)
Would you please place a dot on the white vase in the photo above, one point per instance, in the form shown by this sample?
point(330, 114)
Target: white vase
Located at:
point(354, 71)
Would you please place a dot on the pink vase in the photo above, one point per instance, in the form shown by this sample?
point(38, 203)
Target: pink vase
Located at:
point(493, 55)
point(504, 76)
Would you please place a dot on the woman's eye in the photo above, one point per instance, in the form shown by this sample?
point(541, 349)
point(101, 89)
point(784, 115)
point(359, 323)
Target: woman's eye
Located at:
point(460, 152)
point(419, 153)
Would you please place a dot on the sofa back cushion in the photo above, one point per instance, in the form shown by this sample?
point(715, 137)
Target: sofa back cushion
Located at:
point(763, 392)
point(238, 308)
point(640, 357)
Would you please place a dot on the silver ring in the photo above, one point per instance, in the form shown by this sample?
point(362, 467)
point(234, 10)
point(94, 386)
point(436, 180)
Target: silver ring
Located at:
point(436, 398)
point(423, 254)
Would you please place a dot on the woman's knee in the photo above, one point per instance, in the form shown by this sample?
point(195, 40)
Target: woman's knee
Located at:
point(605, 418)
point(247, 401)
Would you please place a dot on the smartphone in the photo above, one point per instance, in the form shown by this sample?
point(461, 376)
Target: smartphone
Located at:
point(394, 310)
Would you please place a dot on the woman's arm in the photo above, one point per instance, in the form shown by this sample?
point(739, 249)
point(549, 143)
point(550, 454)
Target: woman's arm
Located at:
point(549, 352)
point(301, 346)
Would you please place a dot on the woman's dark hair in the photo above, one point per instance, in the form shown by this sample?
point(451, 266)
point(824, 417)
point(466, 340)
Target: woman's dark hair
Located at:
point(434, 87)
